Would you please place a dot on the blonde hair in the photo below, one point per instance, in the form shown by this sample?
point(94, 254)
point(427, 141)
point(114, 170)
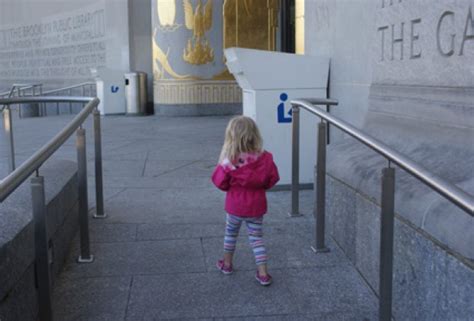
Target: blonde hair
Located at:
point(241, 136)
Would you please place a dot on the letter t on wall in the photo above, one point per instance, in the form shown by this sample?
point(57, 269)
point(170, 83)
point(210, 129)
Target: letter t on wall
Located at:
point(382, 42)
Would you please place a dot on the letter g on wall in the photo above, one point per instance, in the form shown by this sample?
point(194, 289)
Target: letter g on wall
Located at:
point(450, 52)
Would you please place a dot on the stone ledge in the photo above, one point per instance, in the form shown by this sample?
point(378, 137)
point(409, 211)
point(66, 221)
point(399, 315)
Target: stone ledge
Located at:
point(439, 149)
point(17, 239)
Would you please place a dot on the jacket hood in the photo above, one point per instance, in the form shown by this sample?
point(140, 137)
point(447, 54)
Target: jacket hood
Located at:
point(253, 175)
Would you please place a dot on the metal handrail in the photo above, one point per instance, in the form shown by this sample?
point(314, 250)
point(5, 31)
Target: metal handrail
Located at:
point(19, 87)
point(49, 92)
point(68, 91)
point(20, 90)
point(45, 99)
point(20, 174)
point(450, 191)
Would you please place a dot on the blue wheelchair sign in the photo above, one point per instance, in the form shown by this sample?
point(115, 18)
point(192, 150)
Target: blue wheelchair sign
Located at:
point(283, 117)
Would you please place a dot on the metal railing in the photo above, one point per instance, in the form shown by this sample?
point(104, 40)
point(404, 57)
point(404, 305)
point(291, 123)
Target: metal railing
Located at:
point(24, 90)
point(84, 89)
point(449, 191)
point(21, 90)
point(33, 164)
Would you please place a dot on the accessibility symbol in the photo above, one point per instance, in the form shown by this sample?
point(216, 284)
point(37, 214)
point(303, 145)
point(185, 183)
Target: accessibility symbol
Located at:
point(282, 116)
point(114, 89)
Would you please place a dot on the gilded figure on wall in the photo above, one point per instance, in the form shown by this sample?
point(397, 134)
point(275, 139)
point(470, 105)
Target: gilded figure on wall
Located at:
point(251, 23)
point(246, 23)
point(160, 59)
point(198, 51)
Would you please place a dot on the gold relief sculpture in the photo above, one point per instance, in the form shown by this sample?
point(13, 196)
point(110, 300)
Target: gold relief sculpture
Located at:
point(167, 15)
point(246, 23)
point(198, 51)
point(160, 57)
point(251, 23)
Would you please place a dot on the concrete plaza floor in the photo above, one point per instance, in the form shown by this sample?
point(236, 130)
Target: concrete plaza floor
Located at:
point(155, 254)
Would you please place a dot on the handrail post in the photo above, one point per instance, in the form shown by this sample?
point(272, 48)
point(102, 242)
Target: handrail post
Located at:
point(320, 190)
point(33, 93)
point(43, 106)
point(99, 189)
point(42, 266)
point(85, 256)
point(295, 162)
point(70, 103)
point(386, 244)
point(8, 127)
point(20, 114)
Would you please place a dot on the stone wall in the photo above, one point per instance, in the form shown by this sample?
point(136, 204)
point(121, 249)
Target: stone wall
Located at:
point(58, 42)
point(403, 73)
point(18, 293)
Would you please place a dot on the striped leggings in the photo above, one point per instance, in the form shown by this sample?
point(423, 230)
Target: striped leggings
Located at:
point(255, 232)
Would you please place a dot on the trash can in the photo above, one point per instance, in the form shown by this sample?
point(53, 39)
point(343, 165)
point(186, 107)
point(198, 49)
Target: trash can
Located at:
point(135, 93)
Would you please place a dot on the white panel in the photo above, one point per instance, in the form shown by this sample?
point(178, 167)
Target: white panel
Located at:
point(259, 69)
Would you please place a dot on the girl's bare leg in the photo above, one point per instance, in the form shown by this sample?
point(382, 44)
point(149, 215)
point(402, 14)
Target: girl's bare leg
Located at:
point(262, 269)
point(228, 258)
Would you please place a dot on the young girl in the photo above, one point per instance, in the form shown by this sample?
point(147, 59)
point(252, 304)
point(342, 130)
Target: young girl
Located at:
point(245, 171)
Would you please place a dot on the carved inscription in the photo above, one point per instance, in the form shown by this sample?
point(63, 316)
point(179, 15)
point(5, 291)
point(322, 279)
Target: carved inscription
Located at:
point(58, 47)
point(402, 40)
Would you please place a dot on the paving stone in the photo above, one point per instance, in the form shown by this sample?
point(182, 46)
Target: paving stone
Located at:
point(178, 231)
point(336, 316)
point(207, 295)
point(91, 299)
point(129, 258)
point(201, 168)
point(329, 289)
point(161, 182)
point(102, 232)
point(157, 205)
point(108, 192)
point(115, 167)
point(179, 151)
point(185, 319)
point(127, 154)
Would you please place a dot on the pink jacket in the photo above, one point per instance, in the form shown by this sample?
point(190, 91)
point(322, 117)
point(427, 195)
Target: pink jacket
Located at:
point(246, 185)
